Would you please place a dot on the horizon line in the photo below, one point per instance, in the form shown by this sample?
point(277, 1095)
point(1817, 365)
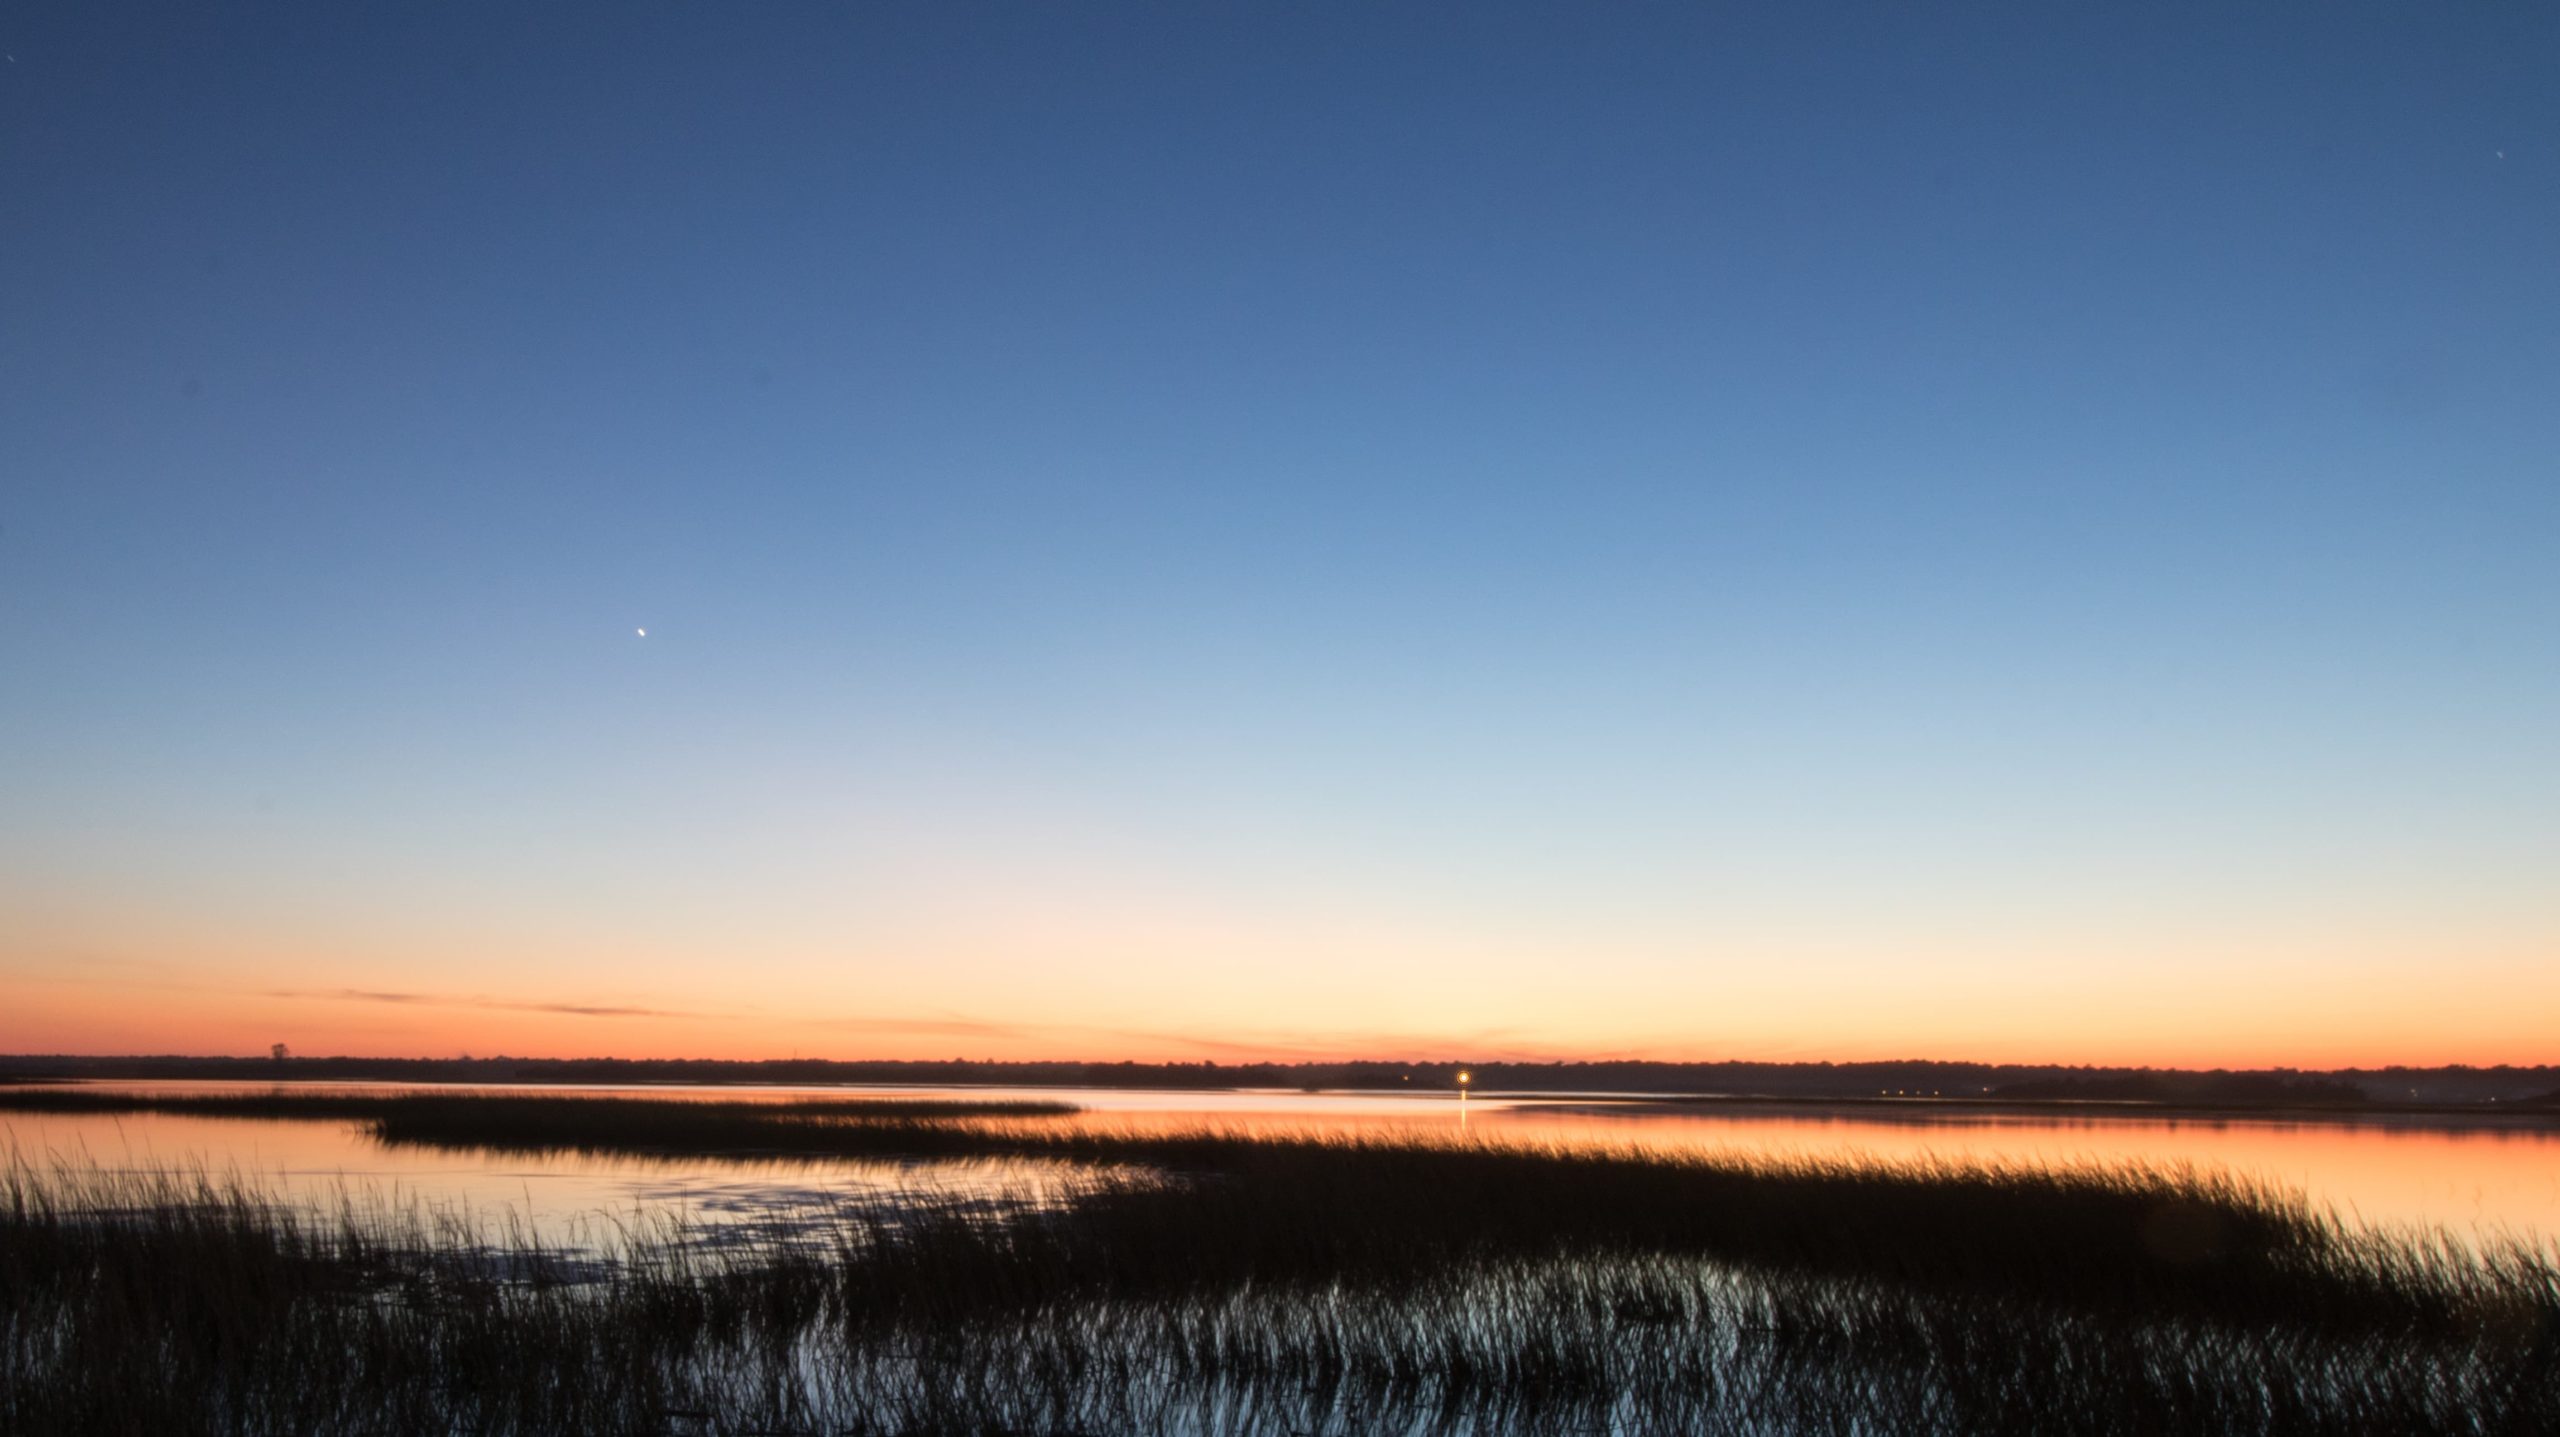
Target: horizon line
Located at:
point(1268, 1062)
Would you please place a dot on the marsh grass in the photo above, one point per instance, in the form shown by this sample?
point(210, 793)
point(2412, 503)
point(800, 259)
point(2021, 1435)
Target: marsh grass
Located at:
point(1222, 1282)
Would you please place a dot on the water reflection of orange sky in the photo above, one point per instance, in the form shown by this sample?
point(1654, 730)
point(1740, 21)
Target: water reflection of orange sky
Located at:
point(2372, 1173)
point(572, 1199)
point(2477, 1180)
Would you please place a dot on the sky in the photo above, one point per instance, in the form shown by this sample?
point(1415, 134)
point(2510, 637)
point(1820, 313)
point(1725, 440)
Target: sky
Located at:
point(1708, 531)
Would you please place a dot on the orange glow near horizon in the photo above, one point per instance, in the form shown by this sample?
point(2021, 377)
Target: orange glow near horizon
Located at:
point(1183, 987)
point(110, 1018)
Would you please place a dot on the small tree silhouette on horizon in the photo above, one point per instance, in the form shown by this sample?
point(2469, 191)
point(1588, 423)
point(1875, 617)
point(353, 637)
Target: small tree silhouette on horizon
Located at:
point(279, 1052)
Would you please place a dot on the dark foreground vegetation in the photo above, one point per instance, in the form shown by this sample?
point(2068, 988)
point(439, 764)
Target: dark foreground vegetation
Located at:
point(1214, 1282)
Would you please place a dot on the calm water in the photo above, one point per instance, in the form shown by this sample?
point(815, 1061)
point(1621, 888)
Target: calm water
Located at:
point(2479, 1180)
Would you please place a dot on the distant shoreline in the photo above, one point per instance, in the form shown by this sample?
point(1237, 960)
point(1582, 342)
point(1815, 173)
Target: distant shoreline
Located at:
point(2503, 1097)
point(2525, 1116)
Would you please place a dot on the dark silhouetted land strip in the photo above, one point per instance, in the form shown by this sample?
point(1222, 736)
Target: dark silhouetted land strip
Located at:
point(2340, 1090)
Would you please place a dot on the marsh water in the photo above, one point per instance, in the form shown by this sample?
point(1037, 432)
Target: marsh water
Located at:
point(2485, 1179)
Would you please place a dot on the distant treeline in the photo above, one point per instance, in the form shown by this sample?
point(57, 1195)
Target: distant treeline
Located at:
point(2534, 1086)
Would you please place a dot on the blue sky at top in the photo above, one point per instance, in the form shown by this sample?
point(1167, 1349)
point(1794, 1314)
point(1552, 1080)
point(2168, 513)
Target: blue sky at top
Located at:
point(1497, 472)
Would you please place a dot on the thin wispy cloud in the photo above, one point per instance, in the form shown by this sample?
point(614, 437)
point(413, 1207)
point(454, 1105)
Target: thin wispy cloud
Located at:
point(942, 1027)
point(1283, 1047)
point(1068, 1041)
point(1074, 1040)
point(449, 1000)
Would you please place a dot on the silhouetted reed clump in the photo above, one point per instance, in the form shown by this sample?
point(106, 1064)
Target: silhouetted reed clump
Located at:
point(1220, 1282)
point(538, 1119)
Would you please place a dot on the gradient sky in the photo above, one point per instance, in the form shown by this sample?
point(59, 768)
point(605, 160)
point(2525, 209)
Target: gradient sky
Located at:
point(1686, 531)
